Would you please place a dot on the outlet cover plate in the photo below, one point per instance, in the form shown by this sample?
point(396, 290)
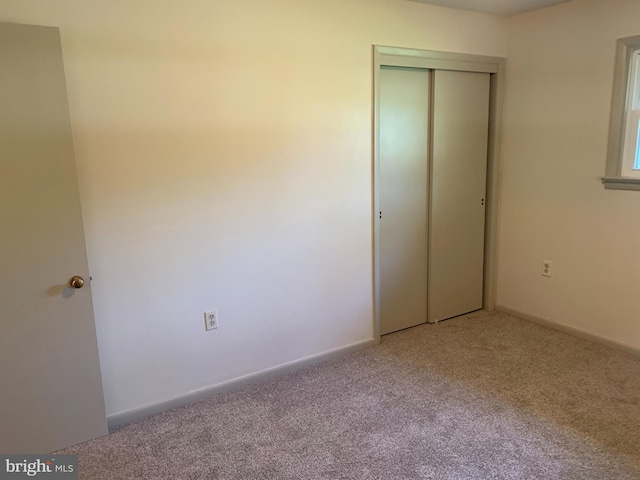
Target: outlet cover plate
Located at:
point(547, 268)
point(211, 320)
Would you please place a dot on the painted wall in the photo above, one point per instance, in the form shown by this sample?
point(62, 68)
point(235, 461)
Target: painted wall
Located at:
point(224, 156)
point(553, 206)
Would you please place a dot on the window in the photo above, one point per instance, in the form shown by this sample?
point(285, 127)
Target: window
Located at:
point(623, 156)
point(630, 159)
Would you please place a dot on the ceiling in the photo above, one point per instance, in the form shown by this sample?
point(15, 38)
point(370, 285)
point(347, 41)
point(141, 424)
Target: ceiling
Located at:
point(504, 8)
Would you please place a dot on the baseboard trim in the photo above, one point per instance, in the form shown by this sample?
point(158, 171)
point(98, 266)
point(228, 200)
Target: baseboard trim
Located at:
point(570, 330)
point(128, 416)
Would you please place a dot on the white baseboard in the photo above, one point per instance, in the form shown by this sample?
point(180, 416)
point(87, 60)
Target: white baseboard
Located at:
point(570, 330)
point(128, 416)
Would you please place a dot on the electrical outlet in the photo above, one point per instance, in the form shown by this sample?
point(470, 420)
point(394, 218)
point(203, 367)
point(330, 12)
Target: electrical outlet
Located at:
point(547, 267)
point(211, 320)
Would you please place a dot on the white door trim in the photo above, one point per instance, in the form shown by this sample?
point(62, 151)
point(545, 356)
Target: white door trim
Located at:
point(428, 59)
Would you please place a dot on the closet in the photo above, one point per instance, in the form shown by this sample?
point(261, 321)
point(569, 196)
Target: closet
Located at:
point(431, 187)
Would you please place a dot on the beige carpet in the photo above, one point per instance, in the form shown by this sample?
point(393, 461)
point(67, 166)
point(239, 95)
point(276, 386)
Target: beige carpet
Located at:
point(484, 396)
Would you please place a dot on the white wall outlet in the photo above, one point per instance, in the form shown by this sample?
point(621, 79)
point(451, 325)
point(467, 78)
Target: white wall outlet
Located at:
point(211, 320)
point(547, 268)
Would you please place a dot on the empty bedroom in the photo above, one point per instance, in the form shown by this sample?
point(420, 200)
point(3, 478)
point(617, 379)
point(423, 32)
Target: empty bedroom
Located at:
point(338, 239)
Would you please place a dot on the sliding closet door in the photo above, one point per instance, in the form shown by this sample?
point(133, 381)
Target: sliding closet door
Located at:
point(403, 183)
point(460, 134)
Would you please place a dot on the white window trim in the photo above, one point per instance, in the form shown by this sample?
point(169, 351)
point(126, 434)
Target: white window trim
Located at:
point(623, 137)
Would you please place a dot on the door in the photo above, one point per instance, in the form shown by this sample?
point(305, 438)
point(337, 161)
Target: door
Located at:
point(403, 180)
point(49, 371)
point(433, 133)
point(459, 173)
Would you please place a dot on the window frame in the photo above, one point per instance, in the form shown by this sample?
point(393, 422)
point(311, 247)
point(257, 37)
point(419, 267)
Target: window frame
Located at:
point(632, 119)
point(619, 175)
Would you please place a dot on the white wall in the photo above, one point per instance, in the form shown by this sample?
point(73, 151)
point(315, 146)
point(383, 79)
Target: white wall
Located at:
point(224, 155)
point(553, 206)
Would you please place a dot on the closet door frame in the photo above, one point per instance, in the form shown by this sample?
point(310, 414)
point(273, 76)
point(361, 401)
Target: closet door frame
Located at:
point(434, 60)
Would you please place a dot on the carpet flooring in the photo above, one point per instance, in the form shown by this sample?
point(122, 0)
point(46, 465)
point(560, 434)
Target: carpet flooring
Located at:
point(483, 396)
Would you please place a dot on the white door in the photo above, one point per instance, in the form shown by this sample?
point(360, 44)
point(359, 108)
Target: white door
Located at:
point(403, 180)
point(51, 391)
point(459, 173)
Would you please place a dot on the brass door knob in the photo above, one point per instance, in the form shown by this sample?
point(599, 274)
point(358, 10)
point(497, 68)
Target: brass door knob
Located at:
point(76, 281)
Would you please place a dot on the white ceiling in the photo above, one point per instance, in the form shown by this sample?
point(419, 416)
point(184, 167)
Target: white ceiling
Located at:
point(504, 8)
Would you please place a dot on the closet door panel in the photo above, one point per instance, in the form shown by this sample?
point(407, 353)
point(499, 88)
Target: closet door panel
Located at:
point(403, 187)
point(458, 189)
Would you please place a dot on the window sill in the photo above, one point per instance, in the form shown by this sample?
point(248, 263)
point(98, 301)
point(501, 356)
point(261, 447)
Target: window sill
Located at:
point(621, 183)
